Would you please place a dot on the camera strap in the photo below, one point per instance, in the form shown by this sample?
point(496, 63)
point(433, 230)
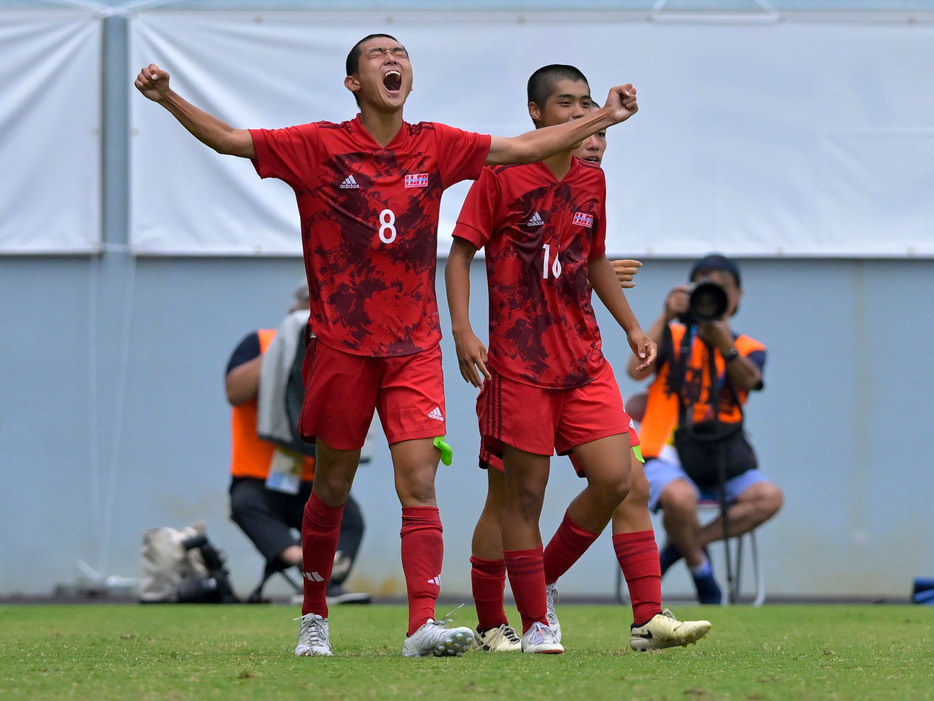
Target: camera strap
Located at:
point(678, 376)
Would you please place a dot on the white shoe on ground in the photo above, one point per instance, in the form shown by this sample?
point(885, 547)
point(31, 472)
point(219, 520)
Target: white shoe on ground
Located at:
point(435, 639)
point(313, 637)
point(552, 598)
point(503, 638)
point(664, 630)
point(541, 639)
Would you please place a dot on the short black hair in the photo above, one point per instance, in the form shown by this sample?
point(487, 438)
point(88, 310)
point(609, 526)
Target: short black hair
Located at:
point(353, 58)
point(542, 82)
point(715, 261)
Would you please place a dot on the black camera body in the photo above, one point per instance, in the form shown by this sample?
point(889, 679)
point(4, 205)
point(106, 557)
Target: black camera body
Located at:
point(707, 301)
point(213, 589)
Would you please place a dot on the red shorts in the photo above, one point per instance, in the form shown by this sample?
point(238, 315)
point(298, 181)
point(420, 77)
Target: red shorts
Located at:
point(342, 390)
point(540, 420)
point(488, 460)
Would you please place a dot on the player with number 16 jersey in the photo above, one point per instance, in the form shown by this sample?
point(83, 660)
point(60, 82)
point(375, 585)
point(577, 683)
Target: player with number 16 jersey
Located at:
point(540, 234)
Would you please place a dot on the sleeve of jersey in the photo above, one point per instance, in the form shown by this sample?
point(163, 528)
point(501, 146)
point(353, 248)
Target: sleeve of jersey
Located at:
point(245, 351)
point(598, 249)
point(475, 221)
point(287, 154)
point(464, 152)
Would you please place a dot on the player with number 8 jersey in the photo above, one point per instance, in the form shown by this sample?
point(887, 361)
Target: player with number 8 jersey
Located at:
point(369, 225)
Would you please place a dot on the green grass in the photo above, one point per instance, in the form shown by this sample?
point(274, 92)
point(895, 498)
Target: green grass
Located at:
point(245, 652)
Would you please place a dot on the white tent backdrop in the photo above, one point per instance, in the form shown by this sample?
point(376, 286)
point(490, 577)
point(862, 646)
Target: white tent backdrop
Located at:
point(50, 124)
point(808, 136)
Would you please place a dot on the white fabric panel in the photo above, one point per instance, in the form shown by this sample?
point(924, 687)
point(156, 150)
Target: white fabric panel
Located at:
point(803, 137)
point(50, 121)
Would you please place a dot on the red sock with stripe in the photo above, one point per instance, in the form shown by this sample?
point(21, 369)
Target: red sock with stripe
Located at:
point(638, 558)
point(321, 528)
point(488, 581)
point(565, 548)
point(527, 578)
point(422, 555)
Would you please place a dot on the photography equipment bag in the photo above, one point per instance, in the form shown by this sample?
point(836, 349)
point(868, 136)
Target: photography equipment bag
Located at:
point(711, 452)
point(180, 565)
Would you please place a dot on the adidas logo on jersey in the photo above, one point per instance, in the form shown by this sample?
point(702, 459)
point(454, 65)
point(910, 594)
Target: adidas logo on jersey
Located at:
point(349, 184)
point(536, 220)
point(436, 414)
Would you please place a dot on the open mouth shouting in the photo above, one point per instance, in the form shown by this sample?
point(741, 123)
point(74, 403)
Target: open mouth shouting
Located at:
point(392, 81)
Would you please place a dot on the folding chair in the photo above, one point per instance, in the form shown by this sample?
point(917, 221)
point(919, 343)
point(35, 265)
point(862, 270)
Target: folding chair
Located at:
point(273, 567)
point(709, 502)
point(735, 560)
point(635, 406)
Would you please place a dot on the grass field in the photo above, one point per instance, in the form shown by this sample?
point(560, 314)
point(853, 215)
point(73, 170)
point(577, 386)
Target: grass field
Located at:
point(245, 652)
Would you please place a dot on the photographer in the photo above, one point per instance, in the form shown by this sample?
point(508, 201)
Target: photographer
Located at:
point(698, 351)
point(270, 485)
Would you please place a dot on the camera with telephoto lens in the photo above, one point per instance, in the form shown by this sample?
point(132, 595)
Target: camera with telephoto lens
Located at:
point(215, 588)
point(707, 301)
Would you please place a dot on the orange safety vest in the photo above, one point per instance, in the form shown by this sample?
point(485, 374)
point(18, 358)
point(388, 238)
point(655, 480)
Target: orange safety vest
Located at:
point(661, 411)
point(251, 456)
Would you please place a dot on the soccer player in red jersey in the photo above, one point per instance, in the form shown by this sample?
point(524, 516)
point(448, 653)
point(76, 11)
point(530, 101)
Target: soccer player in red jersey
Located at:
point(545, 382)
point(368, 193)
point(633, 536)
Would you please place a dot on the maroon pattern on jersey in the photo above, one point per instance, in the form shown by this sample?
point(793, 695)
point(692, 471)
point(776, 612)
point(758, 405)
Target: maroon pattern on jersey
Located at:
point(539, 234)
point(369, 218)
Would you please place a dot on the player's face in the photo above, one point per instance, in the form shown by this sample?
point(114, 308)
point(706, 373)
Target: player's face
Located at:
point(570, 99)
point(592, 148)
point(384, 74)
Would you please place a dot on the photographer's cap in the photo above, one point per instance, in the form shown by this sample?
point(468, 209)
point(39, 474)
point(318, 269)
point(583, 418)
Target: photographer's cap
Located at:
point(716, 261)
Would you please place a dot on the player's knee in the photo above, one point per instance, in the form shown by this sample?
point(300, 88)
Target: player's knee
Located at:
point(638, 491)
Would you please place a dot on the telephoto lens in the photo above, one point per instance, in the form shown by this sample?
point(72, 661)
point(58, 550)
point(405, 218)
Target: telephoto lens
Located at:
point(708, 301)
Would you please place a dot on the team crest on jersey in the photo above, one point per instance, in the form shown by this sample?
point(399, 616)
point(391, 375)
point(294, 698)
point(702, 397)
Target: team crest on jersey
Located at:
point(583, 219)
point(416, 180)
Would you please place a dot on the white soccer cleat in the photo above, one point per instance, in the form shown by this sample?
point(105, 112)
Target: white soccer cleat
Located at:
point(541, 639)
point(664, 630)
point(552, 598)
point(503, 638)
point(435, 639)
point(313, 637)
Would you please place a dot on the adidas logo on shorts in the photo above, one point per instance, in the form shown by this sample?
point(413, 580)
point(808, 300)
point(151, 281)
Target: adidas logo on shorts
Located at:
point(436, 414)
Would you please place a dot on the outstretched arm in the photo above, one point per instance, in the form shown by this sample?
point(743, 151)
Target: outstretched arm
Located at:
point(471, 353)
point(676, 303)
point(603, 279)
point(539, 144)
point(153, 83)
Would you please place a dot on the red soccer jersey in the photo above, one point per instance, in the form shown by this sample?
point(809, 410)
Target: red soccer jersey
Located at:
point(540, 234)
point(369, 218)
